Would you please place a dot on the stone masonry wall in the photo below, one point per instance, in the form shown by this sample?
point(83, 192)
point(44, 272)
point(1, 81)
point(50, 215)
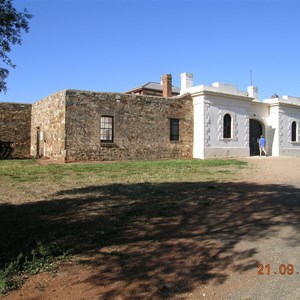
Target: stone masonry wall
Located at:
point(48, 127)
point(15, 125)
point(141, 126)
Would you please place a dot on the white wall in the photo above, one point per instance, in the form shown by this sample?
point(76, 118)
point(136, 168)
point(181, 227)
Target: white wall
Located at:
point(283, 111)
point(288, 114)
point(274, 130)
point(211, 103)
point(238, 144)
point(198, 127)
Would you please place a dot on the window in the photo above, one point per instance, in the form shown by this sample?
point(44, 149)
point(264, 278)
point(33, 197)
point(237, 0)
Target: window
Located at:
point(174, 129)
point(227, 126)
point(107, 129)
point(294, 131)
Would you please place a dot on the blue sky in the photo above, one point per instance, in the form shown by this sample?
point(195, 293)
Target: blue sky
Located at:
point(113, 46)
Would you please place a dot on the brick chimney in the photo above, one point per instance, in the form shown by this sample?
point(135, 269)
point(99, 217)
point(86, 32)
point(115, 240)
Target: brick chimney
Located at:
point(167, 85)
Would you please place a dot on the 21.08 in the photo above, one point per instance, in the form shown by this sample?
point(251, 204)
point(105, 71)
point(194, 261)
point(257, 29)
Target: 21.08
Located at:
point(283, 269)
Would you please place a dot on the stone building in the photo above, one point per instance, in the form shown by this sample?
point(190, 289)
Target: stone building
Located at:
point(75, 125)
point(15, 124)
point(204, 121)
point(228, 122)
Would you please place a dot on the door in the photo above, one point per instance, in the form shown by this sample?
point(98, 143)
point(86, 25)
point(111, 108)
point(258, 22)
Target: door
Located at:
point(256, 130)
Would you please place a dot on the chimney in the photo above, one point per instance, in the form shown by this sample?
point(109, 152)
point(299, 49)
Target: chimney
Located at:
point(167, 85)
point(186, 80)
point(252, 92)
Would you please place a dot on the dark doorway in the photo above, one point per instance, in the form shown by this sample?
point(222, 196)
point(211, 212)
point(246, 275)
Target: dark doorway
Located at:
point(256, 131)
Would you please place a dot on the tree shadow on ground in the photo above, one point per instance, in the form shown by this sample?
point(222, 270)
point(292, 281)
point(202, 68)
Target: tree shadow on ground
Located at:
point(148, 240)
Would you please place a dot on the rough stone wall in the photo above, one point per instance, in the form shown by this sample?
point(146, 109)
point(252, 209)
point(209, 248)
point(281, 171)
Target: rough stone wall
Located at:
point(15, 125)
point(141, 126)
point(48, 127)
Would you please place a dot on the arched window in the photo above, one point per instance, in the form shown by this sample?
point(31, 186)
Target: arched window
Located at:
point(227, 126)
point(294, 131)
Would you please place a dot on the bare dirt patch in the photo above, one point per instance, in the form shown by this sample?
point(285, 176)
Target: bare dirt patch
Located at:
point(176, 240)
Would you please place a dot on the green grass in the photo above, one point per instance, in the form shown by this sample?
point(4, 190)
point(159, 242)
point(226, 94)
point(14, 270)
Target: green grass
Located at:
point(137, 171)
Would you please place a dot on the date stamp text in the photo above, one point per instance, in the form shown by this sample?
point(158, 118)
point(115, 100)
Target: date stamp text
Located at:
point(282, 269)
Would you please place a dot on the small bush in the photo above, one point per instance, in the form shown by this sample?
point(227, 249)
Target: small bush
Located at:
point(42, 258)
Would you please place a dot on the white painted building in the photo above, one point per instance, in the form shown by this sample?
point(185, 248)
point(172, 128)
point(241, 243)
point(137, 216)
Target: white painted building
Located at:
point(228, 122)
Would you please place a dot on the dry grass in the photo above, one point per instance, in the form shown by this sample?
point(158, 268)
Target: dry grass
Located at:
point(59, 207)
point(27, 180)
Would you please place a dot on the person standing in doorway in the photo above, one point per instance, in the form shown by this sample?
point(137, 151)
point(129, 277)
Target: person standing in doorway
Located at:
point(262, 145)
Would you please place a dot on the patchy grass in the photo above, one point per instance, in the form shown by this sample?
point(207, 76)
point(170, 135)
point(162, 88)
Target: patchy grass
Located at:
point(42, 258)
point(138, 171)
point(75, 199)
point(29, 180)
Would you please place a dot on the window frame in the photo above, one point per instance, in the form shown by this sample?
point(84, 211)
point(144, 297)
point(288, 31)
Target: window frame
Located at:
point(227, 126)
point(294, 132)
point(174, 129)
point(111, 129)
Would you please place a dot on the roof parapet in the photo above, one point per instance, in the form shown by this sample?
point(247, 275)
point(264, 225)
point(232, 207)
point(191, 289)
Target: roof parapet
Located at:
point(290, 100)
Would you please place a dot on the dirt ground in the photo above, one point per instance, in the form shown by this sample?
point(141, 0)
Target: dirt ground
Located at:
point(195, 240)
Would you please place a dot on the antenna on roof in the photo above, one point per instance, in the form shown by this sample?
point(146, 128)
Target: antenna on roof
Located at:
point(250, 77)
